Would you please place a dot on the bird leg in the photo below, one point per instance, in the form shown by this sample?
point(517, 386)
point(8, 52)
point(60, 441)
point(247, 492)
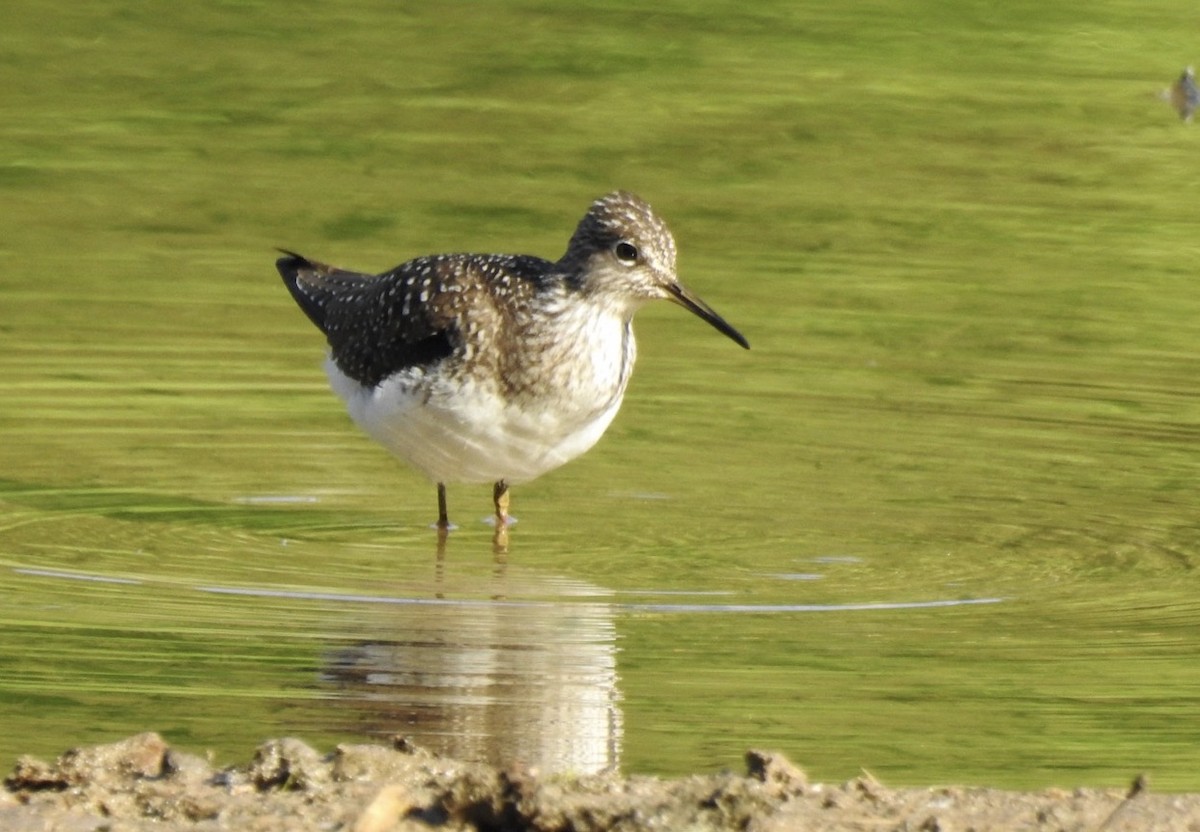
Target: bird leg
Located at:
point(500, 547)
point(443, 522)
point(500, 498)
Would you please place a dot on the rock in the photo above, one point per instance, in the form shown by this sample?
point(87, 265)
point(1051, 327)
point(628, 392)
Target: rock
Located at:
point(782, 778)
point(287, 764)
point(386, 813)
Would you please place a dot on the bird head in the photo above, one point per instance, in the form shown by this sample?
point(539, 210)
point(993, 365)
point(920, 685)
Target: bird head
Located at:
point(622, 253)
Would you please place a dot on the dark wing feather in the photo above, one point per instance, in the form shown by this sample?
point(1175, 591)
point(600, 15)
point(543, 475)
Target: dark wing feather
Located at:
point(375, 324)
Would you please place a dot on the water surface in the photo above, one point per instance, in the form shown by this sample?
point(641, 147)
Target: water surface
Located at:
point(938, 523)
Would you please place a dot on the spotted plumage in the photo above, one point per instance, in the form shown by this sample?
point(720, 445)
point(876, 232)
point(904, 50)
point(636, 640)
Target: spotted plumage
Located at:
point(414, 315)
point(477, 368)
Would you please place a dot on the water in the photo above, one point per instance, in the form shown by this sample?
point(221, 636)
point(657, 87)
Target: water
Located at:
point(939, 522)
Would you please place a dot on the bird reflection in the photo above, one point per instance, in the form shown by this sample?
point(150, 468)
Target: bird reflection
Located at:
point(490, 677)
point(1183, 94)
point(499, 555)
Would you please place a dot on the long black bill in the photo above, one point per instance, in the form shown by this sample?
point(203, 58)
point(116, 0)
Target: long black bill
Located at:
point(683, 296)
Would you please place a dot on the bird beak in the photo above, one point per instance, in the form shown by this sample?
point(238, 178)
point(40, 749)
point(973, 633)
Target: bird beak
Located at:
point(680, 294)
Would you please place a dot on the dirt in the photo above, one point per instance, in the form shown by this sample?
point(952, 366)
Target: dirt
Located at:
point(141, 783)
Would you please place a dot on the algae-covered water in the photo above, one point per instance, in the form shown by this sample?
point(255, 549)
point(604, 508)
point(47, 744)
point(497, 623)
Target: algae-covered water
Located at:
point(940, 522)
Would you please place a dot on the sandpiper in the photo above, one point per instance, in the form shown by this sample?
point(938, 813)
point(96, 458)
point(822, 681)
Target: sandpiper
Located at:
point(495, 367)
point(1183, 94)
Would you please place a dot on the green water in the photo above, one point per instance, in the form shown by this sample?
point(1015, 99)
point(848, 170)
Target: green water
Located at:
point(959, 237)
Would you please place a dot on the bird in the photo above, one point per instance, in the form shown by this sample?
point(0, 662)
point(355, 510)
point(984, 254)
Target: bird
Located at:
point(1183, 94)
point(495, 368)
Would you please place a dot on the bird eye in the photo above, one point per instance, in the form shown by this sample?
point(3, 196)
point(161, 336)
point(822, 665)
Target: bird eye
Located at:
point(627, 253)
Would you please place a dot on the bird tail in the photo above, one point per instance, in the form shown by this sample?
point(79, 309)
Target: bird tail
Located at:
point(317, 286)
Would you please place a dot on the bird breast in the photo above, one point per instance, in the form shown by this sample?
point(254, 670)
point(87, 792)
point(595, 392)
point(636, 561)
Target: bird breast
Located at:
point(577, 363)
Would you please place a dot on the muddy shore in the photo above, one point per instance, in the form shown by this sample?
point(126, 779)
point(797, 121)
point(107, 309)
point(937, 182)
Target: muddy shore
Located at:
point(141, 783)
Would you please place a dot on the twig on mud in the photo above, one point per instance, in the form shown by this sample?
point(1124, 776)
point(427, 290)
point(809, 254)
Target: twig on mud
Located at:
point(1139, 786)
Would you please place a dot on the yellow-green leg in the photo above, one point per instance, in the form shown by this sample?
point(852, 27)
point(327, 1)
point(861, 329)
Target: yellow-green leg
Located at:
point(500, 499)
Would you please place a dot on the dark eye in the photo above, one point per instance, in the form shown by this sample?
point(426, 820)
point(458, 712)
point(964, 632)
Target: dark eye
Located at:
point(627, 253)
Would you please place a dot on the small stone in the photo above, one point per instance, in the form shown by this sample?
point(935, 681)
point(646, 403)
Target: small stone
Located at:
point(777, 772)
point(385, 811)
point(287, 764)
point(139, 757)
point(405, 745)
point(144, 755)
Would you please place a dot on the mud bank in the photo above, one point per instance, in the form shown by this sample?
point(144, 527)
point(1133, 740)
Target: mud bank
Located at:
point(142, 783)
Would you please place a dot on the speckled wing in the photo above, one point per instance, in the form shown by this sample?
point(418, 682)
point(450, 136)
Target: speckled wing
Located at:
point(376, 325)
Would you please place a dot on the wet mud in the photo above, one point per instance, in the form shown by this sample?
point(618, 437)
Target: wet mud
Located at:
point(142, 783)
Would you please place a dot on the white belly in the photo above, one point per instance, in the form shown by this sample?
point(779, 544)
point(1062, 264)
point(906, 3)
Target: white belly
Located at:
point(467, 432)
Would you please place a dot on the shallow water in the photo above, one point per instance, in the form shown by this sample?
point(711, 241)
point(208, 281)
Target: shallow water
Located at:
point(939, 522)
